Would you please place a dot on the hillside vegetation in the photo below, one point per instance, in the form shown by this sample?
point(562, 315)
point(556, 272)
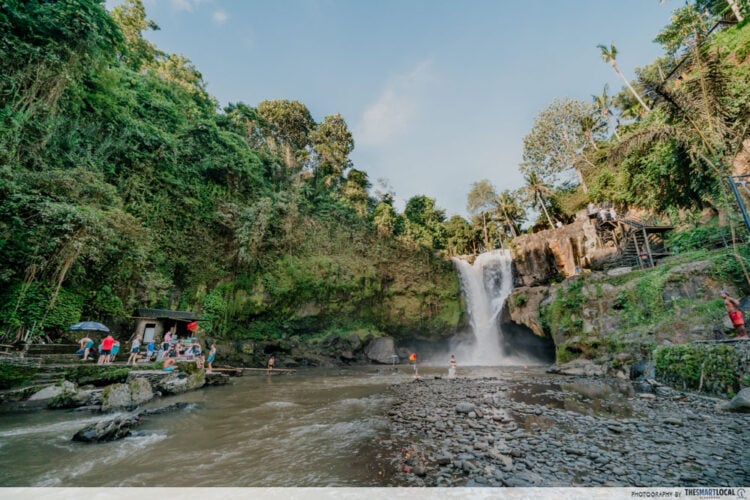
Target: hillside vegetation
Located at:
point(123, 184)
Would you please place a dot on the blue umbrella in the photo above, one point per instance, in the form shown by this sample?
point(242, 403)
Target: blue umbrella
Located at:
point(91, 326)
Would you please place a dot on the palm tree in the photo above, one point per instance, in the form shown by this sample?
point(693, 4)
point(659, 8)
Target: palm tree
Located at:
point(609, 55)
point(538, 191)
point(509, 212)
point(603, 101)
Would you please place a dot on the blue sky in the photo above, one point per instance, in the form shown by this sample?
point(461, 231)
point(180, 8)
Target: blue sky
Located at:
point(438, 94)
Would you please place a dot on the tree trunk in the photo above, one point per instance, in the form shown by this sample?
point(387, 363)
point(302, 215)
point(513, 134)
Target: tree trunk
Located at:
point(486, 236)
point(580, 179)
point(630, 87)
point(736, 10)
point(541, 202)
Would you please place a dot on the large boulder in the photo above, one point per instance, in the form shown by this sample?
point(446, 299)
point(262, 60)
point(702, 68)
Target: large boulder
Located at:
point(53, 391)
point(740, 403)
point(107, 430)
point(140, 391)
point(579, 367)
point(380, 350)
point(186, 378)
point(116, 397)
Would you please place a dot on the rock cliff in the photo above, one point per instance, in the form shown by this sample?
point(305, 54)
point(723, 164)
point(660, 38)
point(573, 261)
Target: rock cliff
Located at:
point(563, 252)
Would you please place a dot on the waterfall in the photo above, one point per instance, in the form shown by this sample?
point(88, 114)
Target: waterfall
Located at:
point(484, 285)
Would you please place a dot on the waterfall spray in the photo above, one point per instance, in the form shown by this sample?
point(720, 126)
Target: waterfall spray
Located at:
point(485, 285)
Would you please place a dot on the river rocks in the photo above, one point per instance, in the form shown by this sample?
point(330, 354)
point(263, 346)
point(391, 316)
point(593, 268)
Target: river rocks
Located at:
point(740, 403)
point(116, 396)
point(216, 378)
point(381, 350)
point(465, 407)
point(185, 379)
point(593, 432)
point(53, 391)
point(579, 367)
point(140, 391)
point(127, 396)
point(107, 430)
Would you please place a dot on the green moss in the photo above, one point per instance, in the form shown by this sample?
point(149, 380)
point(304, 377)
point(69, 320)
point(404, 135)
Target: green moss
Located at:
point(12, 376)
point(520, 300)
point(97, 374)
point(561, 316)
point(711, 368)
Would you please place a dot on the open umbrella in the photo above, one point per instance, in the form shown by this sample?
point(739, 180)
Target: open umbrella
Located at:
point(89, 326)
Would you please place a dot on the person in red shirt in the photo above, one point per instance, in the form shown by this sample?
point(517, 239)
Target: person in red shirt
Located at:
point(105, 355)
point(735, 314)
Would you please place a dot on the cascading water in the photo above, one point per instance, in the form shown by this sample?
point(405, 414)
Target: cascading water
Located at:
point(485, 285)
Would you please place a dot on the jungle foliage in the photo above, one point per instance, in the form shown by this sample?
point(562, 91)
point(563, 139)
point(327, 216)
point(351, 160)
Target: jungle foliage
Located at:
point(122, 185)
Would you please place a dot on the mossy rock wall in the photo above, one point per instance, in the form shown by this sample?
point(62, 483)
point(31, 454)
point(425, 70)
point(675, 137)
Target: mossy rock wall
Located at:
point(619, 319)
point(719, 369)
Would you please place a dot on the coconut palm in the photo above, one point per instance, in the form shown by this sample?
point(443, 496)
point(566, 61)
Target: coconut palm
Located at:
point(538, 192)
point(509, 212)
point(609, 55)
point(603, 102)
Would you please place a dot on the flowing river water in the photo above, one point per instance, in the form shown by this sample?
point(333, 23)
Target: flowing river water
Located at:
point(317, 427)
point(350, 427)
point(314, 428)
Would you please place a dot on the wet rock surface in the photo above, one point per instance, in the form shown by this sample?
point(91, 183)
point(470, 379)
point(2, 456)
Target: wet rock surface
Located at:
point(550, 430)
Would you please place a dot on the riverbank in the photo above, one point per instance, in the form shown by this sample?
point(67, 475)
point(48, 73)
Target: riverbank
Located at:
point(533, 429)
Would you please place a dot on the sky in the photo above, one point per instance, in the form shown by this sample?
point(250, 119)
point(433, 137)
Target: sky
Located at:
point(438, 94)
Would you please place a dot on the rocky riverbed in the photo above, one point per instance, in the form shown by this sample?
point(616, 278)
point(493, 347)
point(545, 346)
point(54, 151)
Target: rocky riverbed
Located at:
point(535, 429)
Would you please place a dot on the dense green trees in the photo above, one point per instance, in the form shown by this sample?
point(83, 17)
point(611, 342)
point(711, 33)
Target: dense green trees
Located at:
point(122, 185)
point(667, 141)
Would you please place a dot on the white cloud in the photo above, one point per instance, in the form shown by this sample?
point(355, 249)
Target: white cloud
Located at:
point(397, 109)
point(220, 17)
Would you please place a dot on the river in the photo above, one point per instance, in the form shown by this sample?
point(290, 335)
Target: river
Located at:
point(317, 427)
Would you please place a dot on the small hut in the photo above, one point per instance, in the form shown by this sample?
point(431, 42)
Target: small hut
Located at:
point(154, 323)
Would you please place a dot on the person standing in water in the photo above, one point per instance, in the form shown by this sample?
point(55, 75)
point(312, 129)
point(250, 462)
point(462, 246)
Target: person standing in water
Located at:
point(271, 362)
point(210, 359)
point(452, 365)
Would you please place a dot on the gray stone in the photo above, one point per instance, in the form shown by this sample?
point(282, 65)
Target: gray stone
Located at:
point(381, 350)
point(107, 430)
point(116, 396)
point(465, 407)
point(740, 403)
point(53, 391)
point(140, 391)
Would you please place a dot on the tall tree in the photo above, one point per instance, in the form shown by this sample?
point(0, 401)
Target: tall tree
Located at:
point(131, 17)
point(559, 138)
point(603, 103)
point(459, 236)
point(609, 55)
point(480, 203)
point(332, 143)
point(509, 211)
point(290, 126)
point(538, 192)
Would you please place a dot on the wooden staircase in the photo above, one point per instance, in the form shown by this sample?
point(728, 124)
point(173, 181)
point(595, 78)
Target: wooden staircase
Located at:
point(633, 238)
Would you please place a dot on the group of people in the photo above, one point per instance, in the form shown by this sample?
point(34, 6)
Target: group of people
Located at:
point(192, 352)
point(170, 349)
point(105, 353)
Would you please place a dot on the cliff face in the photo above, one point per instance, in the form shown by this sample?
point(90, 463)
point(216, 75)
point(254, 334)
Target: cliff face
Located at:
point(557, 253)
point(618, 318)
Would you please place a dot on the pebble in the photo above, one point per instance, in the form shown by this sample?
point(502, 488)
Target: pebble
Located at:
point(667, 440)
